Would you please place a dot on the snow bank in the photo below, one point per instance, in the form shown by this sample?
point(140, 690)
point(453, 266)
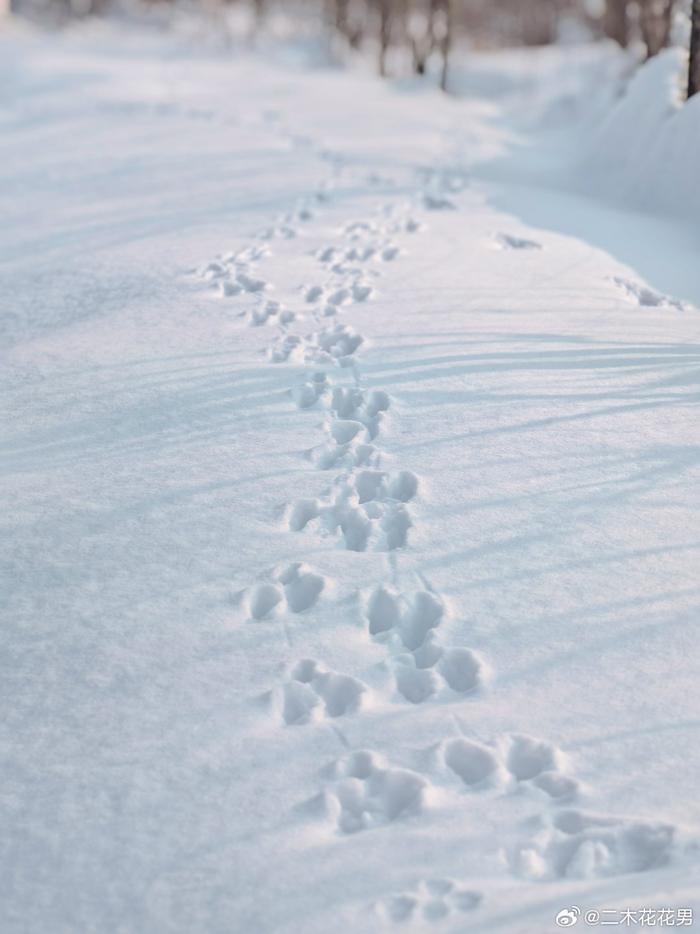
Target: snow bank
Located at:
point(646, 149)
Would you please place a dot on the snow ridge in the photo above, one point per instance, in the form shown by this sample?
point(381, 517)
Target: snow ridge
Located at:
point(369, 508)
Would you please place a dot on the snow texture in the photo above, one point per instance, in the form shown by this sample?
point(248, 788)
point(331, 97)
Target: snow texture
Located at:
point(350, 481)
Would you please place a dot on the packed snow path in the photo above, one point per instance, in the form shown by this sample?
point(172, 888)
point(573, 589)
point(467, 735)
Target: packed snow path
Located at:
point(351, 550)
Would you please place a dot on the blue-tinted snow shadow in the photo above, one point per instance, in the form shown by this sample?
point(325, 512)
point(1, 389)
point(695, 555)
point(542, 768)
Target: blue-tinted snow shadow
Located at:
point(663, 251)
point(537, 178)
point(536, 529)
point(150, 407)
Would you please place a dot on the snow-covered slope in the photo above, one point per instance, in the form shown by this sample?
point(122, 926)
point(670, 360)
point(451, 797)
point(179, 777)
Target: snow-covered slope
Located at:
point(646, 149)
point(586, 141)
point(350, 554)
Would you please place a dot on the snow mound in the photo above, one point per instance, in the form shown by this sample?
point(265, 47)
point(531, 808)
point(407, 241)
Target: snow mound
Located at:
point(646, 148)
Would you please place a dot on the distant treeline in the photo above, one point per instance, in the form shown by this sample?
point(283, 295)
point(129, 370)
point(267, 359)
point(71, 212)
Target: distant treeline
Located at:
point(426, 30)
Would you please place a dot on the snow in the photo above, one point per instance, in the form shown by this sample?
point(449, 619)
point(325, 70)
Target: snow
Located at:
point(646, 148)
point(350, 552)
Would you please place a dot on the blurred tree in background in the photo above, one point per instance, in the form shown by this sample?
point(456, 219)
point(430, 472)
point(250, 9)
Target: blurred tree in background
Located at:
point(423, 32)
point(694, 62)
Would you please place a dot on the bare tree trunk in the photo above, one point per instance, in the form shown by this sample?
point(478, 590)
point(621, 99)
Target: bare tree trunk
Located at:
point(694, 62)
point(341, 17)
point(437, 35)
point(350, 27)
point(420, 54)
point(259, 13)
point(443, 29)
point(538, 22)
point(616, 22)
point(655, 20)
point(422, 46)
point(385, 21)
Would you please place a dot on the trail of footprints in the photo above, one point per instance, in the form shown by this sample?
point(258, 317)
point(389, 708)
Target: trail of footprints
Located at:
point(364, 791)
point(367, 507)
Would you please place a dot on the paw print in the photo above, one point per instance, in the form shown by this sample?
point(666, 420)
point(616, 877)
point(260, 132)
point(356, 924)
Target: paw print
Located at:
point(313, 691)
point(519, 762)
point(576, 845)
point(408, 624)
point(432, 900)
point(369, 794)
point(295, 589)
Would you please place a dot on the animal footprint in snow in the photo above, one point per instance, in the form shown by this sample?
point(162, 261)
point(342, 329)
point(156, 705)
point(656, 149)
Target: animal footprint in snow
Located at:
point(304, 212)
point(475, 764)
point(331, 455)
point(231, 272)
point(340, 296)
point(369, 795)
point(428, 669)
point(344, 430)
point(211, 271)
point(421, 666)
point(327, 255)
point(333, 345)
point(437, 202)
point(363, 506)
point(529, 757)
point(412, 624)
point(301, 213)
point(646, 297)
point(313, 690)
point(313, 293)
point(310, 391)
point(356, 293)
point(406, 225)
point(536, 762)
point(519, 762)
point(378, 485)
point(242, 282)
point(302, 587)
point(289, 346)
point(251, 254)
point(508, 242)
point(361, 291)
point(424, 613)
point(264, 601)
point(231, 263)
point(431, 900)
point(270, 311)
point(386, 252)
point(357, 229)
point(353, 403)
point(575, 845)
point(250, 283)
point(385, 615)
point(360, 253)
point(297, 588)
point(350, 405)
point(284, 232)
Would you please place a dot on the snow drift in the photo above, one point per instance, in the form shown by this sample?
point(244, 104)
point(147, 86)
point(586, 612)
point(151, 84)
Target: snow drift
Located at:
point(646, 149)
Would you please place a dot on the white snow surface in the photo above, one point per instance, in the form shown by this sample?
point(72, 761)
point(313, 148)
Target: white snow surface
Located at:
point(350, 506)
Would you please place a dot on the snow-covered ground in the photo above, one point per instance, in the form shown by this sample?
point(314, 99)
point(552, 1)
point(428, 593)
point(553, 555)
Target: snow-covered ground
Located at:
point(350, 481)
